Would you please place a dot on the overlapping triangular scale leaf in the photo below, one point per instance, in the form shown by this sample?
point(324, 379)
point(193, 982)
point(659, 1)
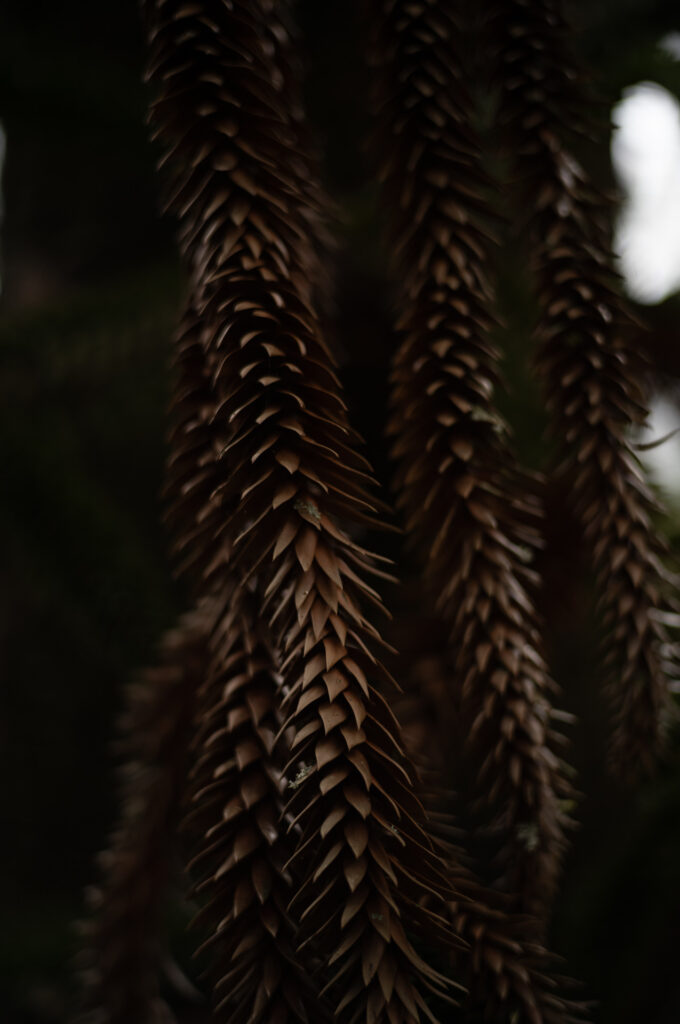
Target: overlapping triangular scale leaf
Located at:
point(237, 800)
point(123, 947)
point(318, 870)
point(288, 476)
point(465, 501)
point(508, 974)
point(205, 80)
point(592, 373)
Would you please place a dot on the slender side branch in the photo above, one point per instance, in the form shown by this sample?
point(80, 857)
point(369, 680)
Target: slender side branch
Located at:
point(591, 372)
point(237, 796)
point(466, 503)
point(290, 484)
point(123, 953)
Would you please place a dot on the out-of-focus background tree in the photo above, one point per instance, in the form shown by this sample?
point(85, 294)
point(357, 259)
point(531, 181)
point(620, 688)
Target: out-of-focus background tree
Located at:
point(90, 291)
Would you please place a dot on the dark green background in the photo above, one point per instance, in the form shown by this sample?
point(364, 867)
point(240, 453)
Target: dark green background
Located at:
point(91, 290)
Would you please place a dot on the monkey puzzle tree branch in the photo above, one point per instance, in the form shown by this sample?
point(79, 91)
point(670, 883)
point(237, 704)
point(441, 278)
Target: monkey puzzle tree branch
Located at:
point(124, 950)
point(289, 483)
point(592, 374)
point(237, 797)
point(509, 975)
point(465, 500)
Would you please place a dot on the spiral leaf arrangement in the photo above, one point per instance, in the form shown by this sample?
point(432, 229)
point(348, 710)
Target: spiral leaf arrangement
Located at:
point(285, 480)
point(237, 799)
point(591, 372)
point(124, 950)
point(464, 498)
point(326, 890)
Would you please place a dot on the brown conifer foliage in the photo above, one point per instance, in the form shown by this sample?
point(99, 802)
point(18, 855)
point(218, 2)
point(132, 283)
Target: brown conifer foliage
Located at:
point(465, 501)
point(207, 218)
point(238, 796)
point(591, 370)
point(508, 974)
point(193, 450)
point(123, 947)
point(317, 868)
point(290, 478)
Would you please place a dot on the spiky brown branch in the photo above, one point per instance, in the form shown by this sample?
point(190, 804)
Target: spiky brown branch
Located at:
point(592, 374)
point(209, 190)
point(508, 974)
point(466, 504)
point(238, 796)
point(123, 949)
point(289, 476)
